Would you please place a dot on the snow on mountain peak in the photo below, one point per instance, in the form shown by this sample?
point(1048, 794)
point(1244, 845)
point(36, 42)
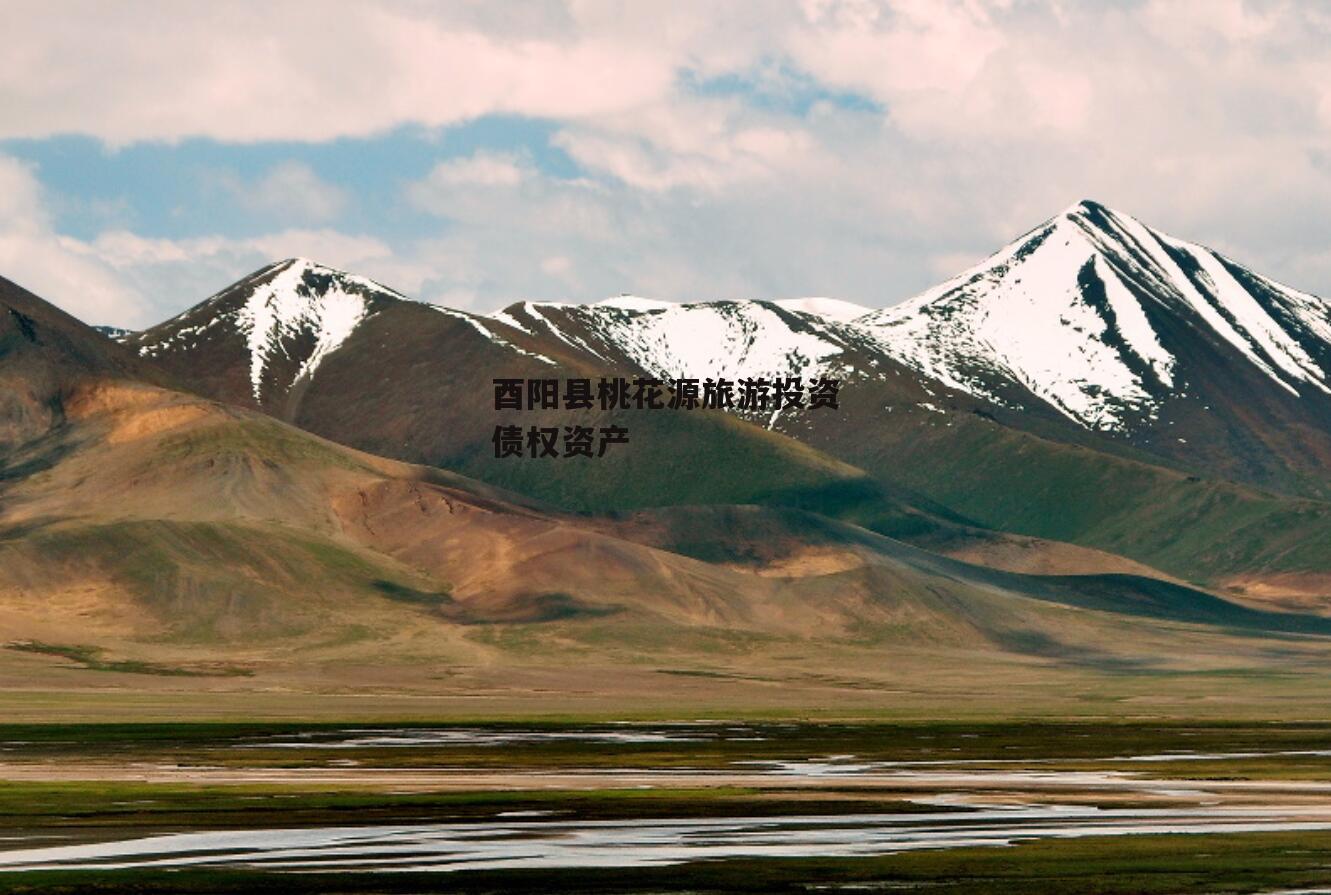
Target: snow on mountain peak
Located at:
point(730, 339)
point(1091, 313)
point(1035, 313)
point(627, 302)
point(295, 309)
point(294, 302)
point(1072, 311)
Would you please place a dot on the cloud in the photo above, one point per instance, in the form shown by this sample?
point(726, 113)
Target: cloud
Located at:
point(177, 273)
point(290, 191)
point(303, 70)
point(842, 147)
point(700, 144)
point(33, 255)
point(482, 169)
point(557, 266)
point(122, 278)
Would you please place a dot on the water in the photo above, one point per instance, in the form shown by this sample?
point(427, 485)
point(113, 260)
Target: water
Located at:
point(510, 843)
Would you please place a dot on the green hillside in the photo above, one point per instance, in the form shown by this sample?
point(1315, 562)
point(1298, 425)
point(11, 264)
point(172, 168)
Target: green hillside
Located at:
point(1200, 529)
point(693, 458)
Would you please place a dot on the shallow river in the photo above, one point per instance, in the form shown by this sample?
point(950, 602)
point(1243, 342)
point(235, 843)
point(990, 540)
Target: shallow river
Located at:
point(524, 842)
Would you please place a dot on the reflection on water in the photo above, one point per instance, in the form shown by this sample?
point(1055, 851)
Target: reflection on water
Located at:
point(509, 844)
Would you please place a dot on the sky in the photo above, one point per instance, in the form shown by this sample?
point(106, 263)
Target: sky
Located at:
point(477, 154)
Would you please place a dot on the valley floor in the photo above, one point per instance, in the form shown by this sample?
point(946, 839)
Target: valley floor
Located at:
point(739, 805)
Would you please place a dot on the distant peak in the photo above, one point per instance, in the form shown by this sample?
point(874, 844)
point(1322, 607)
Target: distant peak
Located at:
point(303, 264)
point(1086, 205)
point(298, 268)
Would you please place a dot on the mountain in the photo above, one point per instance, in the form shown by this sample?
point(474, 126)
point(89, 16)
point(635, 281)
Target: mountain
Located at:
point(1092, 328)
point(46, 355)
point(362, 365)
point(1155, 341)
point(1095, 383)
point(281, 321)
point(147, 532)
point(264, 341)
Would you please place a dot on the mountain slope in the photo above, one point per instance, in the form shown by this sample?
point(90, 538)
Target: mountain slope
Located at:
point(413, 381)
point(1201, 529)
point(202, 540)
point(44, 355)
point(1159, 343)
point(1095, 382)
point(283, 320)
point(176, 536)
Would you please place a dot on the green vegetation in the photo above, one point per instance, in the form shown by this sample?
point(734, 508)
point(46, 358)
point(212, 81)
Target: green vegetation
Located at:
point(211, 581)
point(1072, 745)
point(135, 807)
point(91, 810)
point(724, 461)
point(1199, 529)
point(90, 657)
point(249, 439)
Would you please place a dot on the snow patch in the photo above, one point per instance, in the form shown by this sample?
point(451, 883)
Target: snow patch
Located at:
point(1066, 312)
point(1024, 317)
point(490, 334)
point(285, 307)
point(628, 302)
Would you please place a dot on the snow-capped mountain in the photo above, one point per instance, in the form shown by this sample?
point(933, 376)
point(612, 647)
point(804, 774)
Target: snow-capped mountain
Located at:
point(286, 319)
point(1092, 314)
point(1099, 316)
point(731, 339)
point(1091, 328)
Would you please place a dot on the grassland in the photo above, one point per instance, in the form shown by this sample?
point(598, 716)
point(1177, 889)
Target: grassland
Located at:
point(87, 810)
point(714, 745)
point(1200, 529)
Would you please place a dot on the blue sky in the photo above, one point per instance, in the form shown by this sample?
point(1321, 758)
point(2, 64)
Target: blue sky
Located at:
point(476, 156)
point(198, 186)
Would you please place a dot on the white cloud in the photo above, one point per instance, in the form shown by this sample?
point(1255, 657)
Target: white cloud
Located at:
point(973, 121)
point(33, 255)
point(290, 191)
point(708, 145)
point(482, 169)
point(300, 70)
point(125, 279)
point(557, 266)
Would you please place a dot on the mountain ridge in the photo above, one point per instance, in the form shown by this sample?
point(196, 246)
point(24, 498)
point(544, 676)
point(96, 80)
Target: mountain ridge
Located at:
point(185, 537)
point(1178, 398)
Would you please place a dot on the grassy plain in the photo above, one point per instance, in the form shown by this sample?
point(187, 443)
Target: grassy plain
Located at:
point(393, 784)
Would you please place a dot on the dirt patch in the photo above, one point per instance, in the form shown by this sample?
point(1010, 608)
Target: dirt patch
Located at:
point(1290, 592)
point(1035, 556)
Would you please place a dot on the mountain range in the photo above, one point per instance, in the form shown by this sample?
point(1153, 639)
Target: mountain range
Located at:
point(1102, 447)
point(1091, 350)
